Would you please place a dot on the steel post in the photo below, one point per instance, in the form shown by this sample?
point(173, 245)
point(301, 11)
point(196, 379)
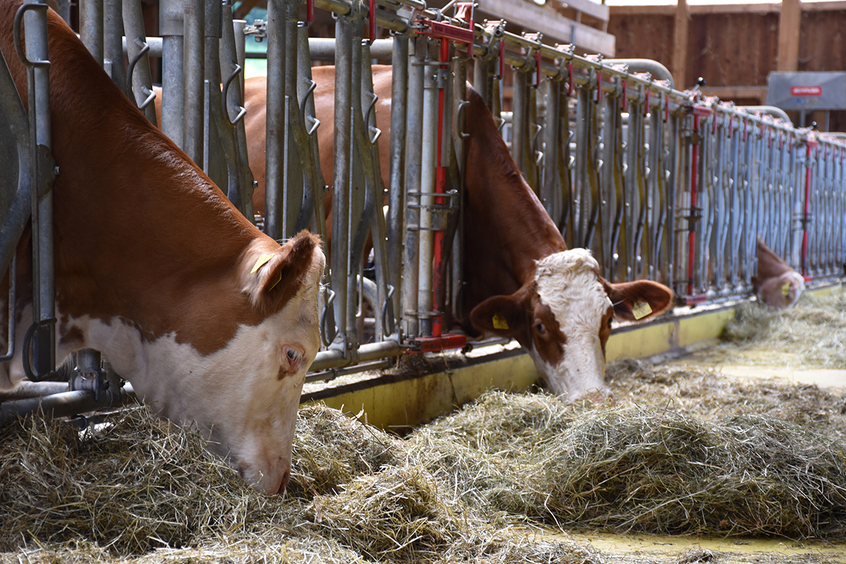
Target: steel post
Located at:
point(194, 95)
point(413, 155)
point(171, 25)
point(91, 27)
point(397, 188)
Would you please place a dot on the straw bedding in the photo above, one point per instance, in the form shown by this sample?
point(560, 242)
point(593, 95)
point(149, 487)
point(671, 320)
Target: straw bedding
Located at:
point(682, 451)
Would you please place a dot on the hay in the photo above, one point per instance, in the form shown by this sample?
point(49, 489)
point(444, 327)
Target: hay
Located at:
point(708, 395)
point(144, 491)
point(331, 450)
point(810, 334)
point(629, 468)
point(137, 485)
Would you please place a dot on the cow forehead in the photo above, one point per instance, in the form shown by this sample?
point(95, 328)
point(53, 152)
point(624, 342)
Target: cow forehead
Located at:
point(569, 284)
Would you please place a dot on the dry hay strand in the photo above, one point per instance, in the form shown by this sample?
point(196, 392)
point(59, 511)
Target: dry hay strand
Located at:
point(811, 333)
point(137, 484)
point(331, 449)
point(403, 514)
point(397, 513)
point(141, 490)
point(630, 468)
point(709, 395)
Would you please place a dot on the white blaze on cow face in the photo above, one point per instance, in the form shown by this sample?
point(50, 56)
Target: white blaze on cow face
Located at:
point(568, 284)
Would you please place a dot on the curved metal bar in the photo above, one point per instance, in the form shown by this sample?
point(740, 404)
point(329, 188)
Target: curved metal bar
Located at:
point(145, 48)
point(242, 111)
point(19, 15)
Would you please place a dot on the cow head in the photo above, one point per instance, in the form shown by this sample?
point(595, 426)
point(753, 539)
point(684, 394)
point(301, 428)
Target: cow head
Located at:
point(563, 318)
point(239, 375)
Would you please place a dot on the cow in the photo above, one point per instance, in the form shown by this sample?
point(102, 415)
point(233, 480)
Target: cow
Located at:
point(775, 283)
point(214, 323)
point(522, 282)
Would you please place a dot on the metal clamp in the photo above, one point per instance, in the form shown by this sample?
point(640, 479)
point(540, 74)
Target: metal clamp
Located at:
point(145, 47)
point(242, 111)
point(17, 34)
point(315, 122)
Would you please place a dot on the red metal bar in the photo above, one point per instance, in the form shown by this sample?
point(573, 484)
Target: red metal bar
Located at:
point(626, 95)
point(437, 344)
point(501, 58)
point(438, 267)
point(441, 30)
point(598, 86)
point(310, 11)
point(570, 80)
point(372, 22)
point(691, 236)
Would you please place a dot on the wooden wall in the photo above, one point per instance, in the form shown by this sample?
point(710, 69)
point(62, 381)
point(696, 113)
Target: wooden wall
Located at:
point(735, 47)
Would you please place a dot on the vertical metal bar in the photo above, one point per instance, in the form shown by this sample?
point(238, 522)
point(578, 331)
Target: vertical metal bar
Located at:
point(192, 125)
point(549, 187)
point(44, 295)
point(171, 25)
point(113, 43)
point(310, 123)
point(413, 148)
point(341, 173)
point(427, 188)
point(91, 27)
point(397, 189)
point(276, 13)
point(293, 178)
point(519, 119)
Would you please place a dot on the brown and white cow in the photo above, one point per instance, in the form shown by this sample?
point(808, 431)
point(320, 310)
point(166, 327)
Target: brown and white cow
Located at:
point(212, 321)
point(776, 284)
point(521, 280)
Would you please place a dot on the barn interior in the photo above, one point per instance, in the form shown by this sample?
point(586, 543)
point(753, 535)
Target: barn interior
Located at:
point(724, 438)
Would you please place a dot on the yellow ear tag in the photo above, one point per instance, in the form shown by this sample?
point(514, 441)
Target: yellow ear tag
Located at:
point(278, 280)
point(641, 309)
point(785, 289)
point(262, 260)
point(499, 323)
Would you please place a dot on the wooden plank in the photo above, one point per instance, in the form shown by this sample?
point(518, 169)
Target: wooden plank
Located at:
point(696, 9)
point(788, 35)
point(728, 93)
point(551, 24)
point(598, 11)
point(679, 60)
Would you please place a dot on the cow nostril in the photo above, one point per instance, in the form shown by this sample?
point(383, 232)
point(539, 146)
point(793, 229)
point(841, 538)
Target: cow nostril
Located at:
point(285, 477)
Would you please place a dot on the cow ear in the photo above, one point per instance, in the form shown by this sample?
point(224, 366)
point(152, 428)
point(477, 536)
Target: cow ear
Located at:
point(504, 316)
point(283, 272)
point(638, 300)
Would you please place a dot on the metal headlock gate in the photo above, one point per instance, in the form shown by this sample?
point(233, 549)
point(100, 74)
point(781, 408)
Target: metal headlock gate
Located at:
point(659, 183)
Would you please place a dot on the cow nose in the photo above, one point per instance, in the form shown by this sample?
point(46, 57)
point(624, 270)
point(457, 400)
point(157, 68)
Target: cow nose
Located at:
point(284, 485)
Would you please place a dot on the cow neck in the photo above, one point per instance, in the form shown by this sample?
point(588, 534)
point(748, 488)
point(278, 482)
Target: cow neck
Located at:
point(142, 233)
point(510, 228)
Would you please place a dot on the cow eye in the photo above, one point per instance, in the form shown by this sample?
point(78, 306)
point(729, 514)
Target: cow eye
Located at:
point(540, 328)
point(292, 354)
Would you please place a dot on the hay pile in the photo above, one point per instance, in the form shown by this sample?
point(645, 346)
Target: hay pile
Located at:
point(810, 334)
point(147, 491)
point(632, 468)
point(706, 394)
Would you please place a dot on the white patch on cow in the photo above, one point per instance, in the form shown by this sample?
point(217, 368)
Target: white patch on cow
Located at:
point(568, 284)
